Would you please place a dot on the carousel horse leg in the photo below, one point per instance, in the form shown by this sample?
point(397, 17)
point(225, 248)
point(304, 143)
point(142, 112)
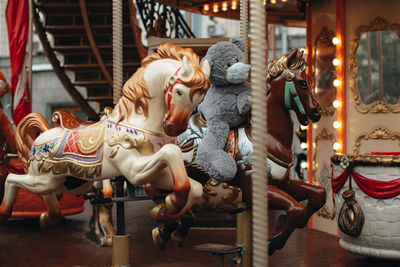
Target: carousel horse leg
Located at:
point(53, 214)
point(314, 194)
point(10, 193)
point(162, 234)
point(184, 225)
point(280, 200)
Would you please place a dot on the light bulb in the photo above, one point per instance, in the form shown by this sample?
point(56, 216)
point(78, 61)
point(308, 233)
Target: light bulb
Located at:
point(337, 146)
point(336, 103)
point(337, 124)
point(215, 8)
point(273, 2)
point(206, 7)
point(303, 128)
point(224, 6)
point(303, 165)
point(234, 5)
point(303, 145)
point(337, 83)
point(335, 40)
point(336, 62)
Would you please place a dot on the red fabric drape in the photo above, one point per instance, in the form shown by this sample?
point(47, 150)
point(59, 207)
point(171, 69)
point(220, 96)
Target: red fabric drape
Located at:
point(17, 17)
point(373, 188)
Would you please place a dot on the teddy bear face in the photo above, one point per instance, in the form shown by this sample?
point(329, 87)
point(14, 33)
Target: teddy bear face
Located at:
point(232, 54)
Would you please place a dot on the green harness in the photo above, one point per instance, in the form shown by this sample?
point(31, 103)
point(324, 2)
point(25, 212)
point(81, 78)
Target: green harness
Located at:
point(290, 90)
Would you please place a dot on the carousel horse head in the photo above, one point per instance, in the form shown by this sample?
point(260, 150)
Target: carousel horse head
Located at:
point(173, 80)
point(289, 72)
point(4, 85)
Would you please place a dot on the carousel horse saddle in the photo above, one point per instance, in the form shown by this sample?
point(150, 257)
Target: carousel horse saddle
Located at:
point(68, 121)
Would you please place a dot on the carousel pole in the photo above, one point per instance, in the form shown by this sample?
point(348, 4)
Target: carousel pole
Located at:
point(259, 126)
point(243, 219)
point(121, 242)
point(30, 51)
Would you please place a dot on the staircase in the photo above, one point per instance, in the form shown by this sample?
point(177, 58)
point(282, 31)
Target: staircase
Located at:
point(81, 37)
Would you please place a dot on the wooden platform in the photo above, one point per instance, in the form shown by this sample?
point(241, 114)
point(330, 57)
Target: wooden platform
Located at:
point(23, 243)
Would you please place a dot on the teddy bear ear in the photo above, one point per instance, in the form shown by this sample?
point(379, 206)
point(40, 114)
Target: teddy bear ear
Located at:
point(237, 41)
point(205, 67)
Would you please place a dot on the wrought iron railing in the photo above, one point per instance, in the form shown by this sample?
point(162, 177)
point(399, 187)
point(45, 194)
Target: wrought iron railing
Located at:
point(162, 20)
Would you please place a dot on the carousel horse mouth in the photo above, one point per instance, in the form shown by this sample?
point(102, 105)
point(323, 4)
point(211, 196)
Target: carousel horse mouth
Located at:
point(172, 129)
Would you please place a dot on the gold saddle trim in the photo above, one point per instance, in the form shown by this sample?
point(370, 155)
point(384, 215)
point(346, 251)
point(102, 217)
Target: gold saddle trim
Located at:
point(91, 137)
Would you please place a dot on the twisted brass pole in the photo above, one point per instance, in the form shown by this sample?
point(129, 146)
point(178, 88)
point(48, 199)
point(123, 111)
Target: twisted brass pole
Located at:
point(259, 131)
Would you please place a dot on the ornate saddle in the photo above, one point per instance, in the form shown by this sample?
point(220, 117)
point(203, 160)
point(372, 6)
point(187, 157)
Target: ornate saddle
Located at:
point(68, 121)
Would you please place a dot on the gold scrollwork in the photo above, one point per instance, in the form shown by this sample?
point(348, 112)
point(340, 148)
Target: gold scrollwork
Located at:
point(144, 146)
point(378, 106)
point(378, 132)
point(324, 37)
point(210, 190)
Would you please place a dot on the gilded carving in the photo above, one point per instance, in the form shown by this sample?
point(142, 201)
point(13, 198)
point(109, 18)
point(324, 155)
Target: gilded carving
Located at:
point(378, 106)
point(323, 135)
point(378, 132)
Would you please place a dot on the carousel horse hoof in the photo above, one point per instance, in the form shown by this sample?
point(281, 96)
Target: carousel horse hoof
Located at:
point(159, 213)
point(177, 238)
point(158, 241)
point(46, 220)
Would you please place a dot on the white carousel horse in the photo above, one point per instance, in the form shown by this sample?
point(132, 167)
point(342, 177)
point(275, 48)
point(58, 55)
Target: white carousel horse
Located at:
point(136, 141)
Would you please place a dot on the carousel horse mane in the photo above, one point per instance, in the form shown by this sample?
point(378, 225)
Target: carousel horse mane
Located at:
point(276, 67)
point(135, 89)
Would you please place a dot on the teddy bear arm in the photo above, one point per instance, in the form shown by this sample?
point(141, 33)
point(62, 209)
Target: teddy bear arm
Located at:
point(244, 102)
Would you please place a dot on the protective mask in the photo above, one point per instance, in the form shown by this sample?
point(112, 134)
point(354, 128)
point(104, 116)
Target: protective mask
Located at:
point(238, 72)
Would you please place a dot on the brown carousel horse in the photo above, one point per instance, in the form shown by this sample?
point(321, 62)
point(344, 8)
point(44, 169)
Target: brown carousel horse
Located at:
point(289, 89)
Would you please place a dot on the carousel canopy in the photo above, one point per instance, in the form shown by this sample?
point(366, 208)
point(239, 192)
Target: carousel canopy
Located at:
point(285, 12)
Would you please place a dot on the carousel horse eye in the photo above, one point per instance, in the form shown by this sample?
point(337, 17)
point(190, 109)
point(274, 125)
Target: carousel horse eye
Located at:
point(179, 92)
point(303, 83)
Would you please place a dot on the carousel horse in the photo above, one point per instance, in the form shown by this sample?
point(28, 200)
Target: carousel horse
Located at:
point(289, 88)
point(137, 141)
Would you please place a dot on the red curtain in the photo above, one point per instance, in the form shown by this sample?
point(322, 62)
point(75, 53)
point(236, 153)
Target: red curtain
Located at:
point(17, 17)
point(373, 188)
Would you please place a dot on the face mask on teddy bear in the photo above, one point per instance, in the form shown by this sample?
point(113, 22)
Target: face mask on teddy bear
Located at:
point(238, 72)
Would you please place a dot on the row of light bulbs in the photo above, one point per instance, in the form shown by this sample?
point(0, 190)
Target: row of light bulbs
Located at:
point(336, 104)
point(337, 83)
point(224, 6)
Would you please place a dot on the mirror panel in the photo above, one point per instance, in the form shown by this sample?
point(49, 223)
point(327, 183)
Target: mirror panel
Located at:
point(375, 67)
point(323, 71)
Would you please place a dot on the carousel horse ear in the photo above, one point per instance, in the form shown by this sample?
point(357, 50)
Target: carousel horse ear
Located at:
point(292, 55)
point(205, 67)
point(186, 68)
point(300, 55)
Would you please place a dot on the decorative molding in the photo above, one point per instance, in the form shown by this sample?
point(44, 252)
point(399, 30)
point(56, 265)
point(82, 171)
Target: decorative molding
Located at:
point(323, 135)
point(325, 37)
point(378, 106)
point(378, 132)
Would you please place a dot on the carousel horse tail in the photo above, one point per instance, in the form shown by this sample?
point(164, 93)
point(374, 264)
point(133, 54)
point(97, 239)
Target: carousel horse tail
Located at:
point(7, 131)
point(27, 131)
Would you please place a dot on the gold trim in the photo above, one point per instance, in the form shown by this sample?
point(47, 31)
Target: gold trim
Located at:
point(74, 168)
point(368, 160)
point(378, 132)
point(378, 106)
point(326, 213)
point(325, 37)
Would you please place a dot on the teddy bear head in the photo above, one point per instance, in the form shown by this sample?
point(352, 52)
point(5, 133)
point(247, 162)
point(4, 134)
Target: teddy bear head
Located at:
point(227, 62)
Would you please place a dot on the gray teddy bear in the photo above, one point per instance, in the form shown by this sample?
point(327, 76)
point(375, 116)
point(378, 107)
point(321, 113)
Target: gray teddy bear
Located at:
point(225, 106)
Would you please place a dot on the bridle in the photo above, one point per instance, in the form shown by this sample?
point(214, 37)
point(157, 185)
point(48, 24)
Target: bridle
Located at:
point(168, 90)
point(290, 92)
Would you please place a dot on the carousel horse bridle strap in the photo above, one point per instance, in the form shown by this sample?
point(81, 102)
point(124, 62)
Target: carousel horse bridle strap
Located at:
point(290, 91)
point(170, 86)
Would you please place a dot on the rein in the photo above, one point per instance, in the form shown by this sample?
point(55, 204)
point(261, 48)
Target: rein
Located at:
point(168, 90)
point(290, 91)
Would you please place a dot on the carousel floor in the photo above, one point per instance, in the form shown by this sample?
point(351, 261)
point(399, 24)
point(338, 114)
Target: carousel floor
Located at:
point(23, 243)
